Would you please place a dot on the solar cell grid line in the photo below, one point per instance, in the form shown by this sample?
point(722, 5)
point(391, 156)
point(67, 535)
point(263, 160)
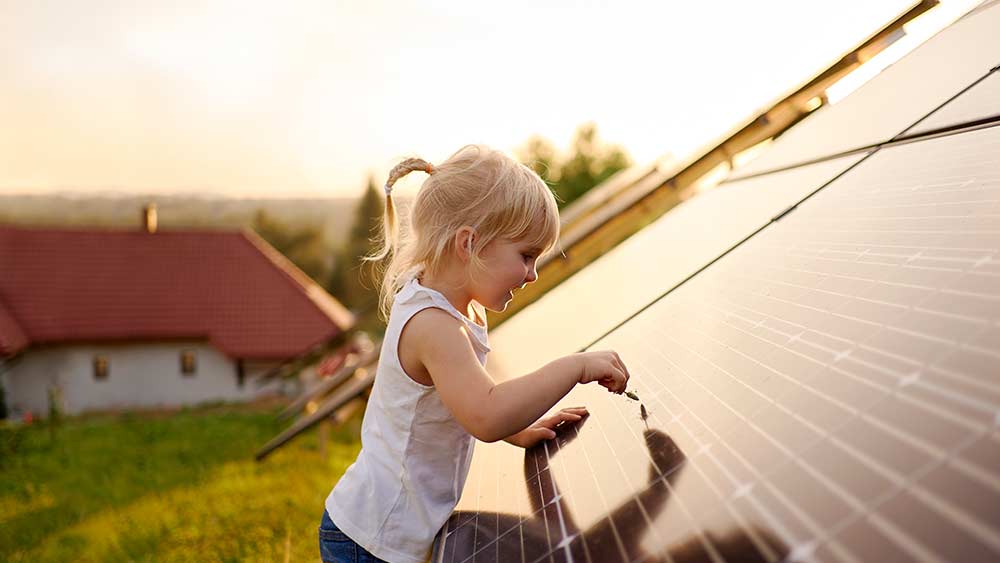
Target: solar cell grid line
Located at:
point(563, 536)
point(606, 510)
point(498, 525)
point(931, 498)
point(744, 527)
point(939, 412)
point(569, 489)
point(549, 502)
point(483, 548)
point(903, 381)
point(929, 407)
point(744, 487)
point(702, 448)
point(480, 528)
point(541, 484)
point(692, 522)
point(589, 541)
point(786, 450)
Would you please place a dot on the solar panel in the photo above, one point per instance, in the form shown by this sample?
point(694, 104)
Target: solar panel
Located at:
point(894, 99)
point(826, 391)
point(361, 377)
point(981, 101)
point(672, 248)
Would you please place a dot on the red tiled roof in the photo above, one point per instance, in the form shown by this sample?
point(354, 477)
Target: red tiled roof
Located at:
point(64, 285)
point(12, 338)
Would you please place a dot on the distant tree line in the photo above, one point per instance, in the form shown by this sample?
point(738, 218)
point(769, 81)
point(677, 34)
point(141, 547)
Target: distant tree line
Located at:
point(588, 163)
point(344, 274)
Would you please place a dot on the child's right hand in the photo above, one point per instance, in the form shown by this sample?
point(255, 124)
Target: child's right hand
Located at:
point(606, 368)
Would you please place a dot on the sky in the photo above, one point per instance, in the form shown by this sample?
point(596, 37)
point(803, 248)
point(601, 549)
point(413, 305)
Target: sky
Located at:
point(308, 98)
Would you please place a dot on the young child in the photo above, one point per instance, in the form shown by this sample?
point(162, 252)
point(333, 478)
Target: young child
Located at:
point(479, 223)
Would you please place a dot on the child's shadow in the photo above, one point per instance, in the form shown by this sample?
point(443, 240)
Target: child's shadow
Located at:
point(541, 535)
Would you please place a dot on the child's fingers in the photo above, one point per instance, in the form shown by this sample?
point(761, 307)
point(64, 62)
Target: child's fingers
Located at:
point(615, 382)
point(625, 373)
point(562, 416)
point(622, 366)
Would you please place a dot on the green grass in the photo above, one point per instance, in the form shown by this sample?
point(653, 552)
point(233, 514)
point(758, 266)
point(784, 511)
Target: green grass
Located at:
point(167, 487)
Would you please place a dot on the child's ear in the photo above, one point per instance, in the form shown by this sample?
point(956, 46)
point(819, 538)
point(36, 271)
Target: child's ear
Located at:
point(464, 239)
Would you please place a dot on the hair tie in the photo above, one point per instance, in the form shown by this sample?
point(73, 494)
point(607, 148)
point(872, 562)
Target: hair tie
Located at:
point(388, 190)
point(429, 169)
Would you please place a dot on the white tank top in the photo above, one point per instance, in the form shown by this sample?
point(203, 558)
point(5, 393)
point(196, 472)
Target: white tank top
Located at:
point(414, 455)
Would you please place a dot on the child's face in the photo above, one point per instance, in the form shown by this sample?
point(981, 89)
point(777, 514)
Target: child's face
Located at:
point(508, 265)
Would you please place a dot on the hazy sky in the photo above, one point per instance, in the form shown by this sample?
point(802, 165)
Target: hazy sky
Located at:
point(309, 97)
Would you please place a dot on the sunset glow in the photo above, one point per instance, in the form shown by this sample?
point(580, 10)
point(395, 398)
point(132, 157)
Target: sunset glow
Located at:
point(310, 98)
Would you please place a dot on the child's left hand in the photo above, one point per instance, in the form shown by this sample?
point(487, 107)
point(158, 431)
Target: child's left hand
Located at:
point(544, 428)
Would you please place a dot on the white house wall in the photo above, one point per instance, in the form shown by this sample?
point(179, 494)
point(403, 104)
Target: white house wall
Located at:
point(139, 376)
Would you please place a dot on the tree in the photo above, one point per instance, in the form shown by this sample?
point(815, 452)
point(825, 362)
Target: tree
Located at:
point(353, 281)
point(539, 155)
point(305, 246)
point(589, 163)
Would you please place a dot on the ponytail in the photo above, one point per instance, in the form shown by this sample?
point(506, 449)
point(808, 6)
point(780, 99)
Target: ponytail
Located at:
point(390, 221)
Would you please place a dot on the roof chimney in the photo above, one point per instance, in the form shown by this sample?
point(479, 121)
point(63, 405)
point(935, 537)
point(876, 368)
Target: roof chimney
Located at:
point(149, 218)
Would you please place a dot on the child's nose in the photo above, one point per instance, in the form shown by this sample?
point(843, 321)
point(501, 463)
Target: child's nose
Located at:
point(532, 274)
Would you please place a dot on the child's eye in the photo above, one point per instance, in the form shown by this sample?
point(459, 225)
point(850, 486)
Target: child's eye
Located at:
point(528, 257)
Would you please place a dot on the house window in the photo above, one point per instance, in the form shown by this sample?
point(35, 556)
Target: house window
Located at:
point(189, 362)
point(101, 368)
point(240, 373)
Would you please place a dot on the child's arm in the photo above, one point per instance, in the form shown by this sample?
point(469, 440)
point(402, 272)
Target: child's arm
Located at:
point(491, 411)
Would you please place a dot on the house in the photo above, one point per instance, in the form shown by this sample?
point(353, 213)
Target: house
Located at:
point(108, 319)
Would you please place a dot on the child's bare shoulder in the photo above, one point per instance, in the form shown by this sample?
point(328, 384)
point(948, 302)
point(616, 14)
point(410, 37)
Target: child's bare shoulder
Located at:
point(427, 331)
point(428, 326)
point(434, 313)
point(432, 329)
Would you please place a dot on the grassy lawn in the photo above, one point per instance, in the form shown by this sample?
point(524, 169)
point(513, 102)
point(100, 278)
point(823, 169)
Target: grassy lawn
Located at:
point(166, 487)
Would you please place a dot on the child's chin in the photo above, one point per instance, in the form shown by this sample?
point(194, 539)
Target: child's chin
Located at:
point(501, 306)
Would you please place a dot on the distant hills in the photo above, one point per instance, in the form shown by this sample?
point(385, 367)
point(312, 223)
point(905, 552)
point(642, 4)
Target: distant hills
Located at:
point(334, 215)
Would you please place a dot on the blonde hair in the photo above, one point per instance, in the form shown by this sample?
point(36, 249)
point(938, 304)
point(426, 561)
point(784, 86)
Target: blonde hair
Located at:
point(477, 187)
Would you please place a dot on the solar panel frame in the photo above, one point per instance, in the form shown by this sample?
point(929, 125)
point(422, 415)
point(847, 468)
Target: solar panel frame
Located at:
point(877, 111)
point(980, 101)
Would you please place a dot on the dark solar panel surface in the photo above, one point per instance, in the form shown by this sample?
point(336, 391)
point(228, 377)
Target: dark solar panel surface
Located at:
point(830, 390)
point(896, 98)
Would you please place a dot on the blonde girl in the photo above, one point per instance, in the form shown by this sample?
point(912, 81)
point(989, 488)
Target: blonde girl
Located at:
point(477, 228)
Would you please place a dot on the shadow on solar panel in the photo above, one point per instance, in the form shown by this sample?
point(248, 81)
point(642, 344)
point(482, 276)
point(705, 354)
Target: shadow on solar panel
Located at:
point(551, 532)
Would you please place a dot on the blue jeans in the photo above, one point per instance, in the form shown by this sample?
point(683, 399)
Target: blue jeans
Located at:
point(336, 547)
